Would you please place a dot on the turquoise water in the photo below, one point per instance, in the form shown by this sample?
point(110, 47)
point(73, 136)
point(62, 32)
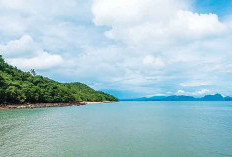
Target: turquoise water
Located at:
point(124, 129)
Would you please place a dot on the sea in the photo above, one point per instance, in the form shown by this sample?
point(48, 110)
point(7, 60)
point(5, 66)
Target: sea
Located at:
point(120, 129)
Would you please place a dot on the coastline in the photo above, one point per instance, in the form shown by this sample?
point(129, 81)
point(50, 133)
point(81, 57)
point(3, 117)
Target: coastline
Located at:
point(46, 105)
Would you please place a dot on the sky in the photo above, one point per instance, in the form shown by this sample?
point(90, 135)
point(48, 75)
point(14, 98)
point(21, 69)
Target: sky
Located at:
point(129, 48)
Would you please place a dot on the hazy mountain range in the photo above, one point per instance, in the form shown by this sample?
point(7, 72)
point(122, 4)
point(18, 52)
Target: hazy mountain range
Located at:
point(216, 97)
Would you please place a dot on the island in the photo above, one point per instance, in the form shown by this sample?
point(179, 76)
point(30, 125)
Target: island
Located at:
point(19, 89)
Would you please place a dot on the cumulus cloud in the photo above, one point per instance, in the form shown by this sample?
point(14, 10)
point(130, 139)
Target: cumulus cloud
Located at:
point(195, 93)
point(144, 46)
point(194, 46)
point(156, 24)
point(198, 24)
point(43, 61)
point(25, 53)
point(24, 46)
point(180, 92)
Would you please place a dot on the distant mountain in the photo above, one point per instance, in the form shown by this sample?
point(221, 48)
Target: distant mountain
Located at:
point(179, 98)
point(154, 98)
point(216, 97)
point(228, 98)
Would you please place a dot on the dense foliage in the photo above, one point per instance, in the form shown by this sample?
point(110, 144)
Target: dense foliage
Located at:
point(17, 86)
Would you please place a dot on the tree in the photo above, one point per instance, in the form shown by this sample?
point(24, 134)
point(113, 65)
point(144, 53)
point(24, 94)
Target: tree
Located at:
point(17, 86)
point(33, 72)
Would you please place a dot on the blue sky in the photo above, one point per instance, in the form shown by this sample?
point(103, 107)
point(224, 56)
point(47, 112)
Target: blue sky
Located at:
point(220, 7)
point(129, 48)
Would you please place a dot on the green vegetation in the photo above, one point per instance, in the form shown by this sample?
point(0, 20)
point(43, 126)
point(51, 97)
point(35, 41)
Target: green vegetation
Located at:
point(17, 86)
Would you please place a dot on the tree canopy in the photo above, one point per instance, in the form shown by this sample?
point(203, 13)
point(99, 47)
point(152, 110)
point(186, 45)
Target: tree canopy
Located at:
point(17, 86)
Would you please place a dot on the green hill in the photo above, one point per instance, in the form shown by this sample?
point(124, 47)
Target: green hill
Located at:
point(17, 86)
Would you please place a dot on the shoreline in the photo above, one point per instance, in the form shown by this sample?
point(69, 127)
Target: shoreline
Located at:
point(47, 105)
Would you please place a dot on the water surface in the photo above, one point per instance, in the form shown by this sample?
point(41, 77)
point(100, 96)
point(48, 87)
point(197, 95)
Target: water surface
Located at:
point(124, 129)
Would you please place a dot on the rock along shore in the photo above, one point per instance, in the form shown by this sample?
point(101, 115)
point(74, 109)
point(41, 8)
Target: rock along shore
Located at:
point(45, 105)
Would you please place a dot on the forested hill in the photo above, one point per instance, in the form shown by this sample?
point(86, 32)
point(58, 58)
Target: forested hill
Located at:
point(17, 86)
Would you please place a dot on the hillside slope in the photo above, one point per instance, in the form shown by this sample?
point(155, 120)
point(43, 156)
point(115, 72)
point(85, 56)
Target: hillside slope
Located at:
point(17, 86)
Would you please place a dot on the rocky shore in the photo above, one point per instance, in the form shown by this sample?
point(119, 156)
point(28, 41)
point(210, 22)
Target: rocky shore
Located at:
point(45, 105)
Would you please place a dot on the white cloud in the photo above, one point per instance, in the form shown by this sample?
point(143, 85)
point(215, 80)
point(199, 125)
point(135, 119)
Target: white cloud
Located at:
point(43, 61)
point(147, 46)
point(193, 46)
point(132, 12)
point(180, 92)
point(195, 24)
point(11, 25)
point(154, 62)
point(25, 46)
point(154, 24)
point(25, 53)
point(194, 84)
point(201, 92)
